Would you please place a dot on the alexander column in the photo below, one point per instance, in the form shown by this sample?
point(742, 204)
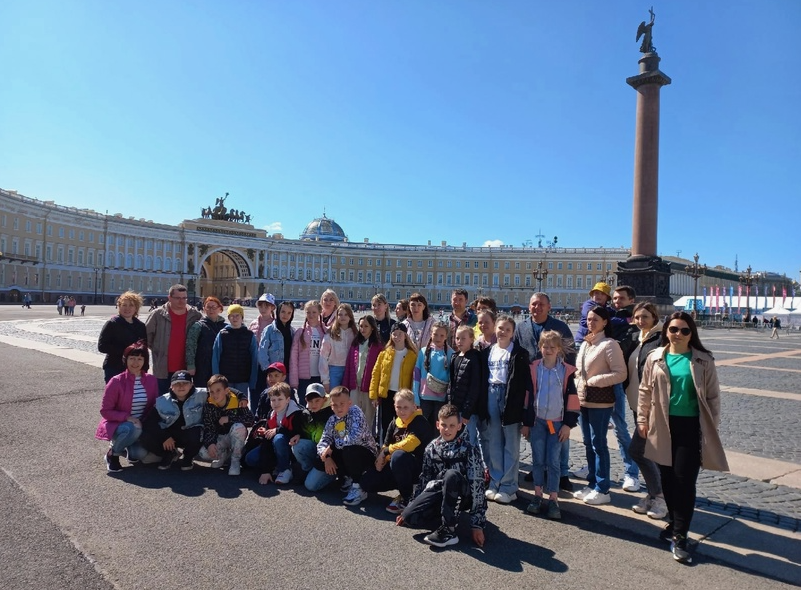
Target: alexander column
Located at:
point(648, 274)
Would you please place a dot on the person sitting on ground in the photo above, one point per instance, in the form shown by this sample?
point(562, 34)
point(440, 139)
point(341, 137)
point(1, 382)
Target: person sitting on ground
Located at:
point(176, 423)
point(305, 449)
point(225, 424)
point(347, 447)
point(127, 400)
point(400, 459)
point(451, 479)
point(277, 432)
point(550, 412)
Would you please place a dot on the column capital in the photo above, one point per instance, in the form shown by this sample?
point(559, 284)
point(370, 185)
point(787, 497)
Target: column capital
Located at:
point(649, 72)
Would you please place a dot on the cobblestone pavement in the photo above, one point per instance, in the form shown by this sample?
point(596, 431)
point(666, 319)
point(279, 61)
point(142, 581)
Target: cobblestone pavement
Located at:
point(757, 425)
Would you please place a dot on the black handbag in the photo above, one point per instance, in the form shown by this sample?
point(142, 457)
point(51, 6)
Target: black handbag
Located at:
point(599, 395)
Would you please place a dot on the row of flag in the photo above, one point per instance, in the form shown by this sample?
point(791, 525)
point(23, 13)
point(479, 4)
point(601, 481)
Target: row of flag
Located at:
point(718, 300)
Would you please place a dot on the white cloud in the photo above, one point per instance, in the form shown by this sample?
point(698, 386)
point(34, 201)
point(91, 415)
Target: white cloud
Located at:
point(274, 227)
point(492, 244)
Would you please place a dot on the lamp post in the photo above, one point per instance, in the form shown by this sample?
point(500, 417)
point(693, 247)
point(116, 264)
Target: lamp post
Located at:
point(282, 287)
point(94, 301)
point(748, 279)
point(539, 275)
point(695, 271)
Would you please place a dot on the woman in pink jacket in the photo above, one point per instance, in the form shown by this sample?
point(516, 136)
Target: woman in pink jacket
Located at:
point(127, 400)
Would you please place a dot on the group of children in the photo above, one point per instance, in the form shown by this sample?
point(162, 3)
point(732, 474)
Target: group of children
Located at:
point(363, 412)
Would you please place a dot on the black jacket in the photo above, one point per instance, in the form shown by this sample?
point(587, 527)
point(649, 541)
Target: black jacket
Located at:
point(465, 388)
point(236, 362)
point(205, 345)
point(518, 385)
point(117, 335)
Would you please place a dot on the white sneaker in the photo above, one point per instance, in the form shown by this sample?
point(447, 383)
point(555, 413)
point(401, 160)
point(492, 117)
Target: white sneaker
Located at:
point(643, 506)
point(581, 473)
point(582, 493)
point(504, 498)
point(630, 484)
point(235, 468)
point(284, 477)
point(355, 496)
point(490, 495)
point(221, 460)
point(596, 498)
point(658, 509)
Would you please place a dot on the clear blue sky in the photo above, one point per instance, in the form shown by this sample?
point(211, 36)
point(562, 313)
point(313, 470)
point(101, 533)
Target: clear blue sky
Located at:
point(458, 120)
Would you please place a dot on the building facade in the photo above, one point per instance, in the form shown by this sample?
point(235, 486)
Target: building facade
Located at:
point(49, 250)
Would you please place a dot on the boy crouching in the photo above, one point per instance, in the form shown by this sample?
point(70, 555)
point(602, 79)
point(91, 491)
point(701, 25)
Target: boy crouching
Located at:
point(452, 479)
point(226, 420)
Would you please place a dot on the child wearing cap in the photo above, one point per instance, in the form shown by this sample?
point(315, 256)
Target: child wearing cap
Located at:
point(235, 355)
point(346, 448)
point(225, 425)
point(305, 449)
point(600, 294)
point(176, 422)
point(266, 306)
point(277, 432)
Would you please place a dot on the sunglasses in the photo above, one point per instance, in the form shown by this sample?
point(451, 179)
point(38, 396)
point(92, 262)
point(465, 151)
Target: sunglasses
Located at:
point(676, 330)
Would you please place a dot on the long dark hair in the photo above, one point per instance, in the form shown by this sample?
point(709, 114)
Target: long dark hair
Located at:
point(695, 341)
point(278, 323)
point(375, 336)
point(603, 313)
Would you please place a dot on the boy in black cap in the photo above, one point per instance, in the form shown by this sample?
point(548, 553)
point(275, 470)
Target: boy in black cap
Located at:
point(176, 423)
point(305, 450)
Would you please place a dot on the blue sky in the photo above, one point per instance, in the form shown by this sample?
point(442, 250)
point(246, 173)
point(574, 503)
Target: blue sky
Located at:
point(458, 120)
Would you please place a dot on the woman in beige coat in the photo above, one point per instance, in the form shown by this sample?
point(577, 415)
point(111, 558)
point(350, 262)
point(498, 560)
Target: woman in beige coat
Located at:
point(678, 412)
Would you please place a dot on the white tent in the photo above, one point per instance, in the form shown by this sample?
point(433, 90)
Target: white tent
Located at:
point(776, 311)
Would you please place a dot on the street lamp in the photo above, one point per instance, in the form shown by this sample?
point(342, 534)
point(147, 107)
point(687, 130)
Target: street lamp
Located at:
point(748, 279)
point(696, 271)
point(540, 274)
point(282, 287)
point(94, 301)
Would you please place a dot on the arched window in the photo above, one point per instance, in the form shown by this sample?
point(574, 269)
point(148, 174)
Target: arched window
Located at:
point(140, 262)
point(129, 261)
point(157, 266)
point(120, 260)
point(148, 262)
point(168, 264)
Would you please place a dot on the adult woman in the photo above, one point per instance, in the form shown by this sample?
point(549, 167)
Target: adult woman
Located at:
point(402, 309)
point(678, 412)
point(120, 332)
point(646, 319)
point(600, 365)
point(330, 302)
point(419, 321)
point(128, 398)
point(380, 307)
point(200, 341)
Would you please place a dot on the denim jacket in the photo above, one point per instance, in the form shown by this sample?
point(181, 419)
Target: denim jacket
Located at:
point(271, 346)
point(167, 408)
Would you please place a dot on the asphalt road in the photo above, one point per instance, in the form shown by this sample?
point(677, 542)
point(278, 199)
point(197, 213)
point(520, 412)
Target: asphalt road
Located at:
point(67, 523)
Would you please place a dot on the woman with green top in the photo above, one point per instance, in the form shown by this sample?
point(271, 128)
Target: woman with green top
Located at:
point(678, 412)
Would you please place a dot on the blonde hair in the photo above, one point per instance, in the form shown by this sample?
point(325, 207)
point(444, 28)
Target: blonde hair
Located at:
point(339, 390)
point(133, 298)
point(404, 394)
point(306, 307)
point(465, 328)
point(553, 338)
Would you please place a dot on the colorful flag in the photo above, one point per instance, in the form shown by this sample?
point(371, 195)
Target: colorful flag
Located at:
point(739, 299)
point(704, 299)
point(774, 295)
point(784, 294)
point(731, 296)
point(756, 298)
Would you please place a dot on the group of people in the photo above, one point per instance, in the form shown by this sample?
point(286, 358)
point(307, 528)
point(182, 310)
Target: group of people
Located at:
point(66, 305)
point(360, 403)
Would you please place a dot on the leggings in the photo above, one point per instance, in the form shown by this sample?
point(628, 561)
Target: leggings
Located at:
point(678, 480)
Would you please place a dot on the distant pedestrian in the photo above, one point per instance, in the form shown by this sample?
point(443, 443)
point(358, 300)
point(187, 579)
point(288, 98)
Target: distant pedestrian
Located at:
point(777, 324)
point(83, 310)
point(60, 305)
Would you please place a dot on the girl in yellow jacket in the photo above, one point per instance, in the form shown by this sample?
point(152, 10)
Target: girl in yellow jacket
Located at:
point(393, 370)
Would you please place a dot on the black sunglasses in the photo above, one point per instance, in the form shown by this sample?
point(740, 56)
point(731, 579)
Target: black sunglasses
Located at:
point(676, 330)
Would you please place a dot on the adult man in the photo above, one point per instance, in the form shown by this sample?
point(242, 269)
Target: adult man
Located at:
point(627, 335)
point(166, 329)
point(461, 314)
point(527, 335)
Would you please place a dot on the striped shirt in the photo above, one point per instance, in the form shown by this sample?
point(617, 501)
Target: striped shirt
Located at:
point(139, 400)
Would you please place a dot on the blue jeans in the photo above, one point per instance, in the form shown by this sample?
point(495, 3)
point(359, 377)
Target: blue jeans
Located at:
point(253, 457)
point(546, 453)
point(500, 444)
point(594, 425)
point(336, 374)
point(305, 451)
point(622, 431)
point(125, 437)
point(317, 479)
point(564, 459)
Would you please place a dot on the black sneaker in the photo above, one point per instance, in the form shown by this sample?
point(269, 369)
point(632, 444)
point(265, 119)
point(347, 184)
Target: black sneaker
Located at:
point(666, 534)
point(679, 549)
point(535, 506)
point(112, 462)
point(528, 477)
point(186, 463)
point(166, 461)
point(442, 537)
point(565, 484)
